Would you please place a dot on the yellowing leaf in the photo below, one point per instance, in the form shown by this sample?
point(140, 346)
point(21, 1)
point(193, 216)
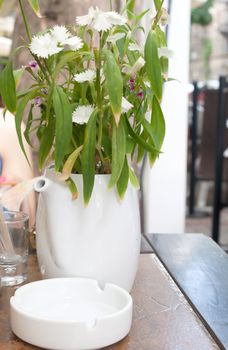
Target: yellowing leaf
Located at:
point(68, 166)
point(72, 187)
point(35, 6)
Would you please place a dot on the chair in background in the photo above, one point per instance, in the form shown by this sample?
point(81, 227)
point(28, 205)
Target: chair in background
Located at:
point(208, 164)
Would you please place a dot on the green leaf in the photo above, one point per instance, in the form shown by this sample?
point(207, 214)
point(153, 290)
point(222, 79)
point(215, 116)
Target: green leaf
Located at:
point(161, 37)
point(1, 2)
point(133, 178)
point(118, 152)
point(140, 16)
point(17, 75)
point(68, 166)
point(139, 140)
point(157, 4)
point(63, 115)
point(152, 158)
point(72, 187)
point(114, 83)
point(148, 129)
point(88, 157)
point(66, 57)
point(122, 183)
point(46, 142)
point(162, 42)
point(157, 124)
point(130, 6)
point(28, 127)
point(141, 150)
point(35, 6)
point(8, 87)
point(19, 116)
point(153, 66)
point(157, 128)
point(164, 65)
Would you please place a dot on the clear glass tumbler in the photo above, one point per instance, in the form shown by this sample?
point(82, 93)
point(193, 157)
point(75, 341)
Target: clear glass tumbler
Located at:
point(14, 248)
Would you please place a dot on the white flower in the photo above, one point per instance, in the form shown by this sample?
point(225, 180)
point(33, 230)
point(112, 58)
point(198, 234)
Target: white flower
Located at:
point(88, 75)
point(82, 114)
point(44, 46)
point(164, 18)
point(126, 105)
point(87, 19)
point(137, 66)
point(115, 18)
point(164, 52)
point(147, 84)
point(99, 20)
point(135, 47)
point(75, 43)
point(60, 34)
point(113, 38)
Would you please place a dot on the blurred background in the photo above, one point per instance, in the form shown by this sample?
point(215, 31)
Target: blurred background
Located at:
point(187, 190)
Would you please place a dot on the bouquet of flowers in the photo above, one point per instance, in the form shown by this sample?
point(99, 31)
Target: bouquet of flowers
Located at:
point(97, 91)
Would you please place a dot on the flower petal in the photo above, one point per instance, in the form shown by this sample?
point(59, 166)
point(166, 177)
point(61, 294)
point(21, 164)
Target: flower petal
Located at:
point(115, 18)
point(60, 33)
point(75, 43)
point(164, 52)
point(44, 46)
point(126, 105)
point(100, 20)
point(113, 38)
point(101, 23)
point(82, 114)
point(88, 75)
point(135, 47)
point(138, 65)
point(87, 19)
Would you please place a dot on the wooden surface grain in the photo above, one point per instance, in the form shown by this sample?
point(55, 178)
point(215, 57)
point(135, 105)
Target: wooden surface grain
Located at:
point(162, 318)
point(200, 268)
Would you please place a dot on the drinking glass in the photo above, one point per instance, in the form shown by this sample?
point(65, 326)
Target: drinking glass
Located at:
point(13, 248)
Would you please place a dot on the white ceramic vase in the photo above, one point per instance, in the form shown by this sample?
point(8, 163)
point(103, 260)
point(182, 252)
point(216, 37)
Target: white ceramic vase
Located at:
point(100, 241)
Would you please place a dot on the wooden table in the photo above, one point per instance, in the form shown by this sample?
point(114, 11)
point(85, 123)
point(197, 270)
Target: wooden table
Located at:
point(163, 318)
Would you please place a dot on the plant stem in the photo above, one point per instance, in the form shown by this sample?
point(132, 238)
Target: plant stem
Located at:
point(25, 20)
point(158, 15)
point(42, 69)
point(74, 143)
point(99, 101)
point(110, 4)
point(28, 32)
point(101, 155)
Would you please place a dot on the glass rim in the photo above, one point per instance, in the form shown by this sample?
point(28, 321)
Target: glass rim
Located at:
point(17, 216)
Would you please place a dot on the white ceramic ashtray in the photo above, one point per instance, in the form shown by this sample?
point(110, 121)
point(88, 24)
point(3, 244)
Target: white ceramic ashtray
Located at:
point(70, 313)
